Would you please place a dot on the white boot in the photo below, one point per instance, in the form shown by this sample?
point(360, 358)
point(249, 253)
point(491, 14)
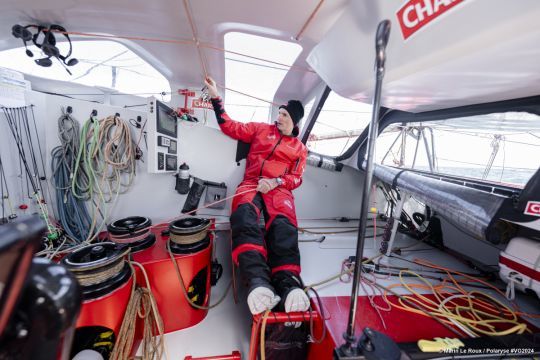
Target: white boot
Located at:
point(297, 300)
point(261, 299)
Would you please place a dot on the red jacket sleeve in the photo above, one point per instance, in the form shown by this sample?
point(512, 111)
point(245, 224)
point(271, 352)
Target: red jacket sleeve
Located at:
point(234, 129)
point(293, 178)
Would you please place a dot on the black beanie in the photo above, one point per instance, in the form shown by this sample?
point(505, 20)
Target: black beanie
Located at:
point(295, 109)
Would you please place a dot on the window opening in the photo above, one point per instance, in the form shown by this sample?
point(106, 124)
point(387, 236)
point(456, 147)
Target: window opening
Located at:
point(105, 64)
point(495, 147)
point(255, 77)
point(339, 124)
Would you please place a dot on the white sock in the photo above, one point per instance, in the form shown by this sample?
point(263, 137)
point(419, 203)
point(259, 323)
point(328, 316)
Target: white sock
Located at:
point(297, 300)
point(261, 299)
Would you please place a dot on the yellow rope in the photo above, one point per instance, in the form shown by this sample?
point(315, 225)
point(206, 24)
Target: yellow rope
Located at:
point(184, 291)
point(263, 330)
point(468, 317)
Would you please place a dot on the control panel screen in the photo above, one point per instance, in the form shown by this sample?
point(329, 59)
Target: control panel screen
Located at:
point(166, 120)
point(171, 162)
point(172, 147)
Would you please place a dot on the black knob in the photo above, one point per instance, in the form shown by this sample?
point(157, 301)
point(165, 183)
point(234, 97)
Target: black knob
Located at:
point(97, 252)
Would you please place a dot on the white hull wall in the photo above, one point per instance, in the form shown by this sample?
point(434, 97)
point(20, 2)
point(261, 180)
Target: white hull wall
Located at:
point(209, 154)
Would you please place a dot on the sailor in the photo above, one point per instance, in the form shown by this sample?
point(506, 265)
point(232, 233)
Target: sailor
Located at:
point(275, 163)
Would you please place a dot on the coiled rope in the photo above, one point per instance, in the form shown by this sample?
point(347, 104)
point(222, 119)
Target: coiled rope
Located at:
point(107, 155)
point(71, 210)
point(130, 238)
point(141, 304)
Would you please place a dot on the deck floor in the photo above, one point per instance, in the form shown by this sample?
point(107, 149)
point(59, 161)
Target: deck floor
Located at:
point(227, 327)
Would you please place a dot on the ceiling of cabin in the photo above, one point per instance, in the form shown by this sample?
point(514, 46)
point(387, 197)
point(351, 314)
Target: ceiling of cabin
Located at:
point(167, 20)
point(479, 51)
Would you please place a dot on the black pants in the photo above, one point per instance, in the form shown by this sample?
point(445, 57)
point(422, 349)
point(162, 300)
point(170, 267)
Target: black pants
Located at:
point(262, 261)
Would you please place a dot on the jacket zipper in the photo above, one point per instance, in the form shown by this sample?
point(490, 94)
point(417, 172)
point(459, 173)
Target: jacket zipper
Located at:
point(268, 157)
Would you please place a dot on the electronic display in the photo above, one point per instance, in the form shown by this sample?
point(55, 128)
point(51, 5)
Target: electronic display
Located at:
point(171, 162)
point(172, 147)
point(166, 120)
point(160, 161)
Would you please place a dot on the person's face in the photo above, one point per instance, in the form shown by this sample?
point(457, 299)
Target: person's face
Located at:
point(284, 122)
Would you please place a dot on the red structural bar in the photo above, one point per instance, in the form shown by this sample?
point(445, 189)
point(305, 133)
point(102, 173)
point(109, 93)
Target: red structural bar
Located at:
point(278, 317)
point(234, 356)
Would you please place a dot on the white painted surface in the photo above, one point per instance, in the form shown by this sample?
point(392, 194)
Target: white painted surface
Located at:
point(479, 51)
point(210, 156)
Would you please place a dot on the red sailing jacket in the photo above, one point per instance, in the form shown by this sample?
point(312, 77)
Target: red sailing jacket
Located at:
point(271, 155)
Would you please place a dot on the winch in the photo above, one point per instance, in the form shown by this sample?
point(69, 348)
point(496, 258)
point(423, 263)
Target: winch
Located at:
point(133, 231)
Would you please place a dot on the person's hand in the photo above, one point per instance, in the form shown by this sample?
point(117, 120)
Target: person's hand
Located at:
point(266, 185)
point(212, 87)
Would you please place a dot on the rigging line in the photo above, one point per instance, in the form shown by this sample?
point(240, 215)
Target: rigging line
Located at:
point(69, 97)
point(125, 68)
point(21, 174)
point(309, 20)
point(253, 63)
point(486, 137)
point(18, 142)
point(2, 178)
point(495, 166)
point(21, 135)
point(40, 153)
point(124, 37)
point(89, 70)
point(31, 148)
point(292, 67)
point(181, 42)
point(504, 158)
point(250, 96)
point(118, 94)
point(202, 59)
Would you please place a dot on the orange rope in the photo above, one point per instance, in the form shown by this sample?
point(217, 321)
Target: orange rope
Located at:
point(448, 271)
point(195, 37)
point(250, 96)
point(292, 67)
point(166, 223)
point(308, 21)
point(473, 279)
point(135, 38)
point(179, 42)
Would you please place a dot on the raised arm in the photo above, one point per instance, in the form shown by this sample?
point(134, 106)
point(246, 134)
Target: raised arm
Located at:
point(230, 127)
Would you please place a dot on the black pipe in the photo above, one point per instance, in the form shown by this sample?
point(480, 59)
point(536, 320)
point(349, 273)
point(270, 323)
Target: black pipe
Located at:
point(383, 32)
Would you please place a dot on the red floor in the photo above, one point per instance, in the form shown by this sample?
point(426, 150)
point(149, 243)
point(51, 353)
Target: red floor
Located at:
point(401, 326)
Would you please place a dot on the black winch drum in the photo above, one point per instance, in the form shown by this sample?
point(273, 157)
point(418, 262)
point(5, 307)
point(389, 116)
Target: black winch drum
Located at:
point(100, 268)
point(189, 235)
point(133, 231)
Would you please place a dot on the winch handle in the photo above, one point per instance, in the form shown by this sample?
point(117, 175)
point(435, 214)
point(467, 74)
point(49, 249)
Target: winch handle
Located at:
point(381, 40)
